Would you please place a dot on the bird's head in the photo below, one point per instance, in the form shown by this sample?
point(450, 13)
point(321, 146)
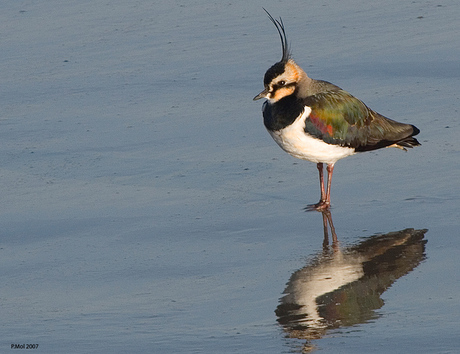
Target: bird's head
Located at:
point(283, 78)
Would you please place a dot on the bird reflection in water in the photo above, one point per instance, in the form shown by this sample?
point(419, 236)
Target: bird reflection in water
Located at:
point(341, 287)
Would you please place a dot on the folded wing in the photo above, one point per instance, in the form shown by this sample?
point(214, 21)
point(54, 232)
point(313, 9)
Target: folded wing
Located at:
point(341, 119)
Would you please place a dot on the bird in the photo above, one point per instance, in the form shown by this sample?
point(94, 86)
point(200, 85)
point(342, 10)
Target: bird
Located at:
point(318, 121)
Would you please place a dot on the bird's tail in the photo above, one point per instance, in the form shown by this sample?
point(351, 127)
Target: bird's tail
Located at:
point(408, 142)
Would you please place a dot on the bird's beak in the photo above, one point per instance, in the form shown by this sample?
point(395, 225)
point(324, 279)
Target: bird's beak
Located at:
point(263, 94)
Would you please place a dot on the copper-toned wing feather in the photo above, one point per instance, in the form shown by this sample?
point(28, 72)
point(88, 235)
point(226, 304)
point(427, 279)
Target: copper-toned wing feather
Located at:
point(339, 118)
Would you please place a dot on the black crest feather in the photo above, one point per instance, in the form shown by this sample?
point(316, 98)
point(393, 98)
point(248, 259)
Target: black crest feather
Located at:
point(284, 43)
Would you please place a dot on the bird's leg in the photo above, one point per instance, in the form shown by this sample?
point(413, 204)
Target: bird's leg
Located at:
point(319, 165)
point(330, 170)
point(325, 201)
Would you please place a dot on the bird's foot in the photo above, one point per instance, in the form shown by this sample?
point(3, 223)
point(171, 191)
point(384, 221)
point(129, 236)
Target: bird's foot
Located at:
point(322, 206)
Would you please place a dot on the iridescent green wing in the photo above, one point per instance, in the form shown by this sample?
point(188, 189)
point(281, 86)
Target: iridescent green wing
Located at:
point(339, 118)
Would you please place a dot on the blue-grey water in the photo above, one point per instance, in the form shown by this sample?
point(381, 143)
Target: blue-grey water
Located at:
point(145, 209)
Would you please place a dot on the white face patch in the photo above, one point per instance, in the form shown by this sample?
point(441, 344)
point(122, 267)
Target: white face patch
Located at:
point(290, 76)
point(294, 140)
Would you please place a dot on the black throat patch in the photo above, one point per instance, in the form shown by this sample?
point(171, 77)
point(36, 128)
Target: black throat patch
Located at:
point(282, 113)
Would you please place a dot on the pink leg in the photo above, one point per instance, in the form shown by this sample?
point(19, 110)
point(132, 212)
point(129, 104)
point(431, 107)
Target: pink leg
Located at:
point(321, 181)
point(330, 171)
point(325, 201)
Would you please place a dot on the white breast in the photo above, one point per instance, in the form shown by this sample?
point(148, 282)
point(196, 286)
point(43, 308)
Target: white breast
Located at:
point(294, 140)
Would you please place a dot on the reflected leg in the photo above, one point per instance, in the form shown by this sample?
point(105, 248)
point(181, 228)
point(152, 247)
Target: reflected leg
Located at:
point(327, 220)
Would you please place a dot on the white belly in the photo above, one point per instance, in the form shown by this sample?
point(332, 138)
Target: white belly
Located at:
point(296, 142)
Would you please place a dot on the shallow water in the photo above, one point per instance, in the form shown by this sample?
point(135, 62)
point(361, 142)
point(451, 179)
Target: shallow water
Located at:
point(146, 209)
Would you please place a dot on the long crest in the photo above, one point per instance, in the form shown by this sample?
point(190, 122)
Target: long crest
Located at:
point(284, 43)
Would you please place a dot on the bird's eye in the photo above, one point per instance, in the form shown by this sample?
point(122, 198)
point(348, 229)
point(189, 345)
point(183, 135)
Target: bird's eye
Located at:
point(282, 83)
